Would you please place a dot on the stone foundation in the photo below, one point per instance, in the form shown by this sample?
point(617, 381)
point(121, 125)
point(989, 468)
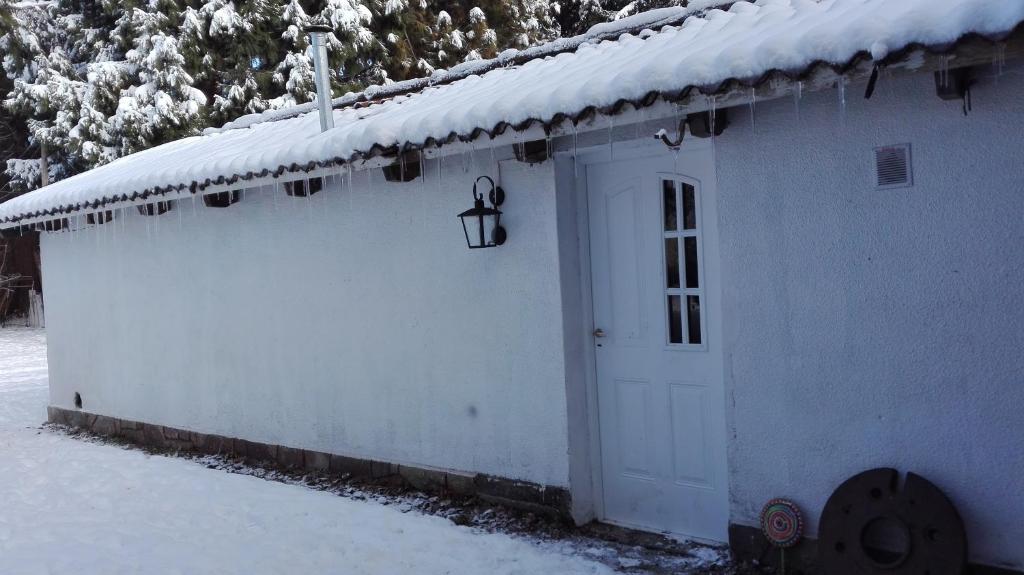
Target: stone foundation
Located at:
point(525, 495)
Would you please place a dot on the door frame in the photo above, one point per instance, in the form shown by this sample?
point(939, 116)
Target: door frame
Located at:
point(627, 150)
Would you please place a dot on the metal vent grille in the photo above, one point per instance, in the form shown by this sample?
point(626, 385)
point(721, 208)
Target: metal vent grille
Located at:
point(892, 167)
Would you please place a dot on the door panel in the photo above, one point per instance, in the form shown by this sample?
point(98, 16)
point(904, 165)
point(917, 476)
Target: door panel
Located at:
point(633, 406)
point(656, 295)
point(623, 222)
point(688, 404)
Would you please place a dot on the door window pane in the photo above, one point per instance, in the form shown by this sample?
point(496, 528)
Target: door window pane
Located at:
point(693, 318)
point(675, 319)
point(672, 262)
point(692, 273)
point(671, 213)
point(689, 208)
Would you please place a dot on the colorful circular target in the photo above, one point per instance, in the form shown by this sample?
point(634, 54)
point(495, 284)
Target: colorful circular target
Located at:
point(782, 522)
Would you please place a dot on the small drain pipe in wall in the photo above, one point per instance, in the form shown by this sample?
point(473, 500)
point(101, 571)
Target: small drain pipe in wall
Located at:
point(318, 35)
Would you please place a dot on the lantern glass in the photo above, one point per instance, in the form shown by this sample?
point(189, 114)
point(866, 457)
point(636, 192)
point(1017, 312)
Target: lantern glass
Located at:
point(480, 225)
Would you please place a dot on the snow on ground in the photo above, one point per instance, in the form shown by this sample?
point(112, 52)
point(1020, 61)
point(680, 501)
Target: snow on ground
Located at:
point(72, 506)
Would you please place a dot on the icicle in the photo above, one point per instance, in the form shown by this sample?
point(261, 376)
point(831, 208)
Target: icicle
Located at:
point(444, 177)
point(494, 165)
point(753, 104)
point(611, 139)
point(575, 148)
point(842, 99)
point(713, 109)
point(108, 232)
point(351, 188)
point(322, 213)
point(675, 151)
point(999, 60)
point(798, 94)
point(309, 203)
point(439, 168)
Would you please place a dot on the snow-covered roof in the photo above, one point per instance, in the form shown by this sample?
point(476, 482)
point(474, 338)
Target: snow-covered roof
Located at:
point(662, 53)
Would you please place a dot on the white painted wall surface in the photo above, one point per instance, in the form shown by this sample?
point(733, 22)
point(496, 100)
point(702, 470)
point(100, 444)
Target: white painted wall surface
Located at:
point(354, 322)
point(870, 328)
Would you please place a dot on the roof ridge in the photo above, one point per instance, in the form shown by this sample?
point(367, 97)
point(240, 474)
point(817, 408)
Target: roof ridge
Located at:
point(657, 18)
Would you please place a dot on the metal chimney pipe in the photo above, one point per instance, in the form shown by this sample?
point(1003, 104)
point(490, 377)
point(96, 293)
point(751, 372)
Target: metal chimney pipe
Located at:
point(318, 35)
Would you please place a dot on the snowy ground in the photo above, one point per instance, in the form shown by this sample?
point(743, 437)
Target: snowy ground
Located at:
point(83, 507)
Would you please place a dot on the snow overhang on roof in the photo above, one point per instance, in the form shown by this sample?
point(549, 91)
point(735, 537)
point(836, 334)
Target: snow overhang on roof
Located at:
point(693, 52)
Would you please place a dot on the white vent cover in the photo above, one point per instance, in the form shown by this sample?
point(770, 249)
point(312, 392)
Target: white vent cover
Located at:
point(892, 167)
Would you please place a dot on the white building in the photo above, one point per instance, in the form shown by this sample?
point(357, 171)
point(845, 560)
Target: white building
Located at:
point(666, 340)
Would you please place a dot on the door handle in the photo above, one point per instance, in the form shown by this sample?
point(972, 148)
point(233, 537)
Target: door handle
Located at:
point(599, 332)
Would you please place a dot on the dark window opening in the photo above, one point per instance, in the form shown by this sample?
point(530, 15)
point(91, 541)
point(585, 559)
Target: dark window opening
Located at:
point(53, 225)
point(222, 199)
point(98, 218)
point(155, 209)
point(533, 152)
point(404, 169)
point(303, 188)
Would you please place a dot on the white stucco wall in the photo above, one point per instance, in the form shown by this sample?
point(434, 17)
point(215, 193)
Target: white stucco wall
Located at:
point(868, 328)
point(355, 322)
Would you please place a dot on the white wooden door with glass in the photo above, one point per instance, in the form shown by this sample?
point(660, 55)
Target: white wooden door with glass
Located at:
point(654, 266)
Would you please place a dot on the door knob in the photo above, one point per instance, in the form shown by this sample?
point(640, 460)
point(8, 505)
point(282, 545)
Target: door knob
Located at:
point(599, 332)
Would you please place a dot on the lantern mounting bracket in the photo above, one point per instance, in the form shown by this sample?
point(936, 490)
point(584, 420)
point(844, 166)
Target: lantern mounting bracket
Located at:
point(496, 196)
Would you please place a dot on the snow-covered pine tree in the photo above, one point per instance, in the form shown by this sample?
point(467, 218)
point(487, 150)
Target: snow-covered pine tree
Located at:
point(405, 35)
point(100, 47)
point(162, 104)
point(96, 79)
point(46, 91)
point(422, 35)
point(294, 71)
point(577, 16)
point(7, 21)
point(354, 51)
point(482, 40)
point(234, 43)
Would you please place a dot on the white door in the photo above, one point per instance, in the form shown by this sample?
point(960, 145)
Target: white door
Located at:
point(657, 316)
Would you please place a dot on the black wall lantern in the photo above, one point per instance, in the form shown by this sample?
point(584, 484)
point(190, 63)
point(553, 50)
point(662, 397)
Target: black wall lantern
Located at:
point(485, 222)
